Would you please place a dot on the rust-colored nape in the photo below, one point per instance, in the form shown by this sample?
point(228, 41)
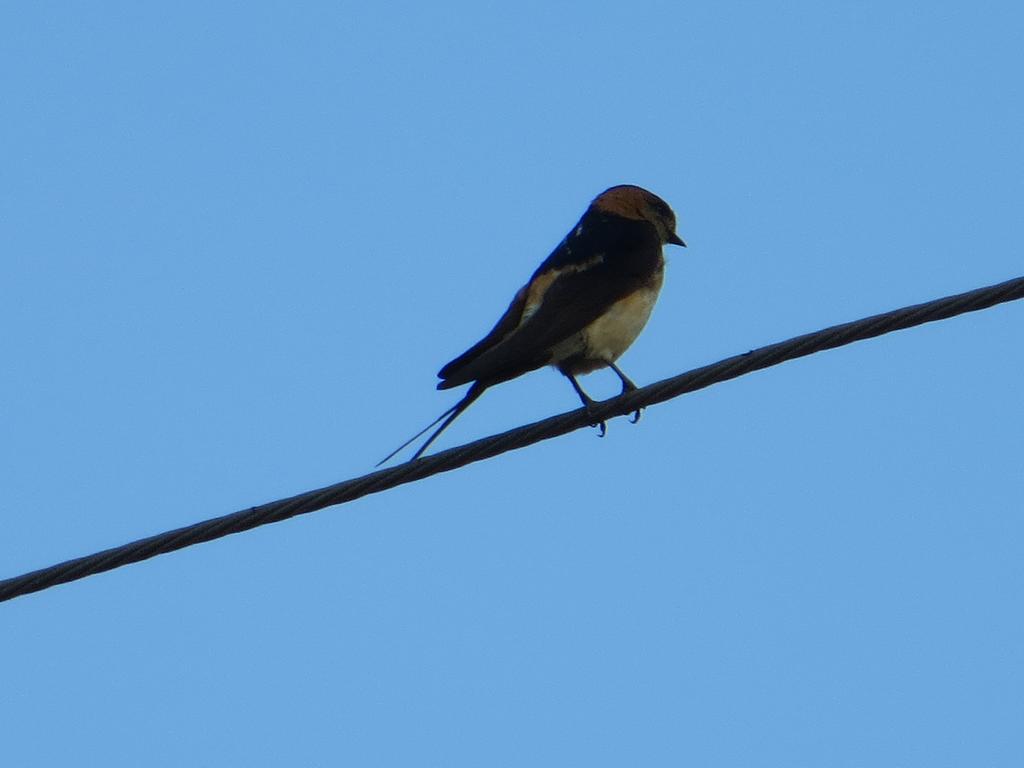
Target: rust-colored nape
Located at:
point(626, 200)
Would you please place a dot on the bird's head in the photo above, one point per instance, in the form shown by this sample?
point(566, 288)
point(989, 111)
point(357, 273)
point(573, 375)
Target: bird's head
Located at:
point(637, 203)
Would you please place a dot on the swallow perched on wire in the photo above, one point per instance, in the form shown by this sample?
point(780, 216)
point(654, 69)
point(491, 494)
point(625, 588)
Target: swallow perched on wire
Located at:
point(580, 310)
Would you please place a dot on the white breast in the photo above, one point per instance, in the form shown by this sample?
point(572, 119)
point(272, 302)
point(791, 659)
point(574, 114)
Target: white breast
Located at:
point(611, 334)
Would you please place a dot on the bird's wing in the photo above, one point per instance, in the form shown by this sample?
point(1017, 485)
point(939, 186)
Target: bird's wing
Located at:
point(501, 330)
point(557, 303)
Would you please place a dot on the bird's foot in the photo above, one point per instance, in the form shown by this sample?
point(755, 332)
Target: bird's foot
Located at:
point(629, 386)
point(601, 425)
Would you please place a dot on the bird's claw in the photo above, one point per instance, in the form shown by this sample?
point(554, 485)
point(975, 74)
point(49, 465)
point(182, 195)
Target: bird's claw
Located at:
point(627, 387)
point(590, 406)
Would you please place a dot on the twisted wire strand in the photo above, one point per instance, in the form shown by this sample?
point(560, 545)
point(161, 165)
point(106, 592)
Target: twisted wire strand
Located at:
point(520, 437)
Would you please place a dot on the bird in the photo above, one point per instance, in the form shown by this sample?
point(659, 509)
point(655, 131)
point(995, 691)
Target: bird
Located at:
point(579, 311)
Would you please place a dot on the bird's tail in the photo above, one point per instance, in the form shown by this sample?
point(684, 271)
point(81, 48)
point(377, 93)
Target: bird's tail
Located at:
point(448, 416)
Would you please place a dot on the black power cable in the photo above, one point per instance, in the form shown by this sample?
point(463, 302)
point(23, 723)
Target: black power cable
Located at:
point(730, 368)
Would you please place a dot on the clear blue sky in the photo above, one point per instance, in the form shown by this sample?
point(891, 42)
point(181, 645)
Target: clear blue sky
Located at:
point(238, 241)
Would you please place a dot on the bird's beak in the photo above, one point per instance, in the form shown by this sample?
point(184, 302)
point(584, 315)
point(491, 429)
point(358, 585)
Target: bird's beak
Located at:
point(675, 239)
